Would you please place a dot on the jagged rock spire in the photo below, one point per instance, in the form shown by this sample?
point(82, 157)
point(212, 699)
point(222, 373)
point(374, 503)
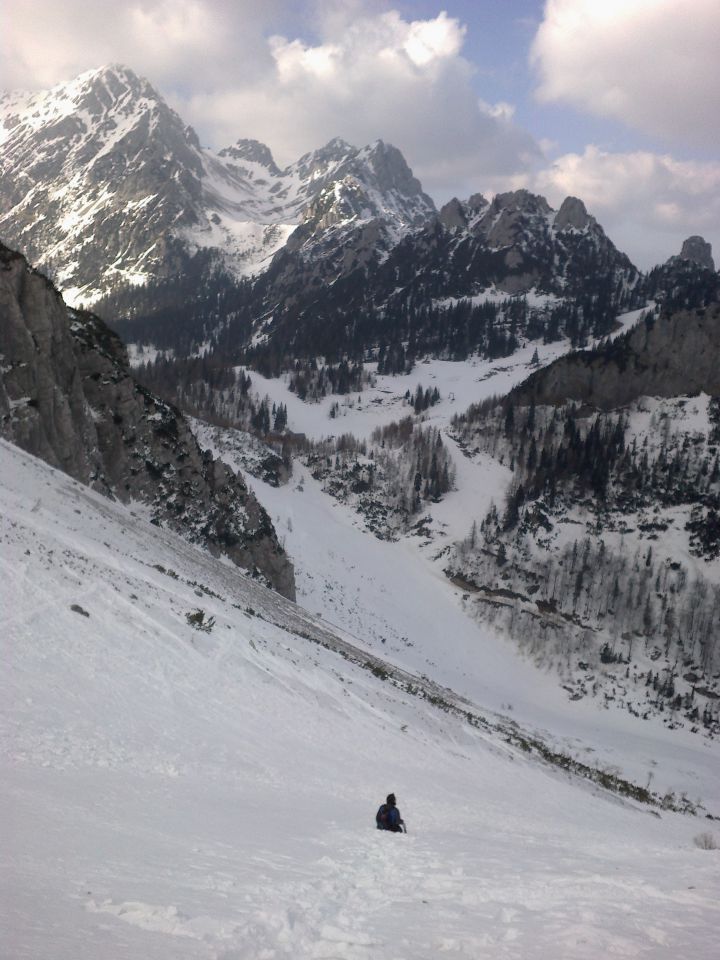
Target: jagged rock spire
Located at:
point(698, 251)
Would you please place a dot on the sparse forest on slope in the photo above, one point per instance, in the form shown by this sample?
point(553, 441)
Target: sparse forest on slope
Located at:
point(387, 479)
point(603, 560)
point(390, 479)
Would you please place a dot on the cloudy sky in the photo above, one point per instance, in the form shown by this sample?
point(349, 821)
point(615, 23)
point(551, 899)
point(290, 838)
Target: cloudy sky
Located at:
point(614, 101)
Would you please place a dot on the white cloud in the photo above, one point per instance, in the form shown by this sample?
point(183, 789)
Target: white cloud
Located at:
point(652, 64)
point(236, 68)
point(428, 40)
point(501, 110)
point(293, 75)
point(183, 42)
point(374, 76)
point(647, 203)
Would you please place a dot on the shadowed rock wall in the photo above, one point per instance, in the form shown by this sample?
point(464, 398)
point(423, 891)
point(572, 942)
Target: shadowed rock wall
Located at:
point(68, 397)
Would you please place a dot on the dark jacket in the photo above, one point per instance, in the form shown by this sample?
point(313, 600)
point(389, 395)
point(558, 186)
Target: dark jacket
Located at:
point(388, 818)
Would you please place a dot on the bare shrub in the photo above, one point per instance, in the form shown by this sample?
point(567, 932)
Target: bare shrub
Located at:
point(705, 841)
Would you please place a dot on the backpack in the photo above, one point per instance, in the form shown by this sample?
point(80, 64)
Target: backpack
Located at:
point(388, 818)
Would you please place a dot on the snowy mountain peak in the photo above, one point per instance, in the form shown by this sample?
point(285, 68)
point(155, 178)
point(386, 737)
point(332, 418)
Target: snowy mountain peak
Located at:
point(336, 147)
point(370, 192)
point(106, 186)
point(253, 151)
point(111, 74)
point(390, 168)
point(96, 171)
point(113, 82)
point(90, 97)
point(318, 163)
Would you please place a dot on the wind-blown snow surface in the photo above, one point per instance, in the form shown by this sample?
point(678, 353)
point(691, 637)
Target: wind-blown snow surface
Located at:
point(170, 793)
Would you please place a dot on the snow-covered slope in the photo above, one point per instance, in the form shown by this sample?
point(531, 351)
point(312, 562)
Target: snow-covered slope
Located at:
point(397, 595)
point(103, 184)
point(172, 791)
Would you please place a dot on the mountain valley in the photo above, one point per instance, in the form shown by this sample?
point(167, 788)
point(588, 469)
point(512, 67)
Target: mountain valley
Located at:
point(312, 490)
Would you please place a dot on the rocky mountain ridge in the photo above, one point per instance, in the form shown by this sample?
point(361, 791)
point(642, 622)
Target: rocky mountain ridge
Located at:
point(480, 277)
point(104, 185)
point(340, 255)
point(67, 396)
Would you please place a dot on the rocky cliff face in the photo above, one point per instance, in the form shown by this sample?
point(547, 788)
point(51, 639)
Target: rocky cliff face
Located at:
point(42, 403)
point(664, 356)
point(67, 396)
point(698, 251)
point(533, 246)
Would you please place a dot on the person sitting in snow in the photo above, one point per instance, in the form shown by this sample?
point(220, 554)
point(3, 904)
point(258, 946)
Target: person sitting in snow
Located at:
point(388, 816)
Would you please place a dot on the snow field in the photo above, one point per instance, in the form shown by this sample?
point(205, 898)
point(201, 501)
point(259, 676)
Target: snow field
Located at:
point(460, 384)
point(176, 793)
point(396, 597)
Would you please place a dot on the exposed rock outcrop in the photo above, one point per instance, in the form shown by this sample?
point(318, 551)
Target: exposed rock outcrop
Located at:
point(67, 396)
point(699, 251)
point(253, 151)
point(572, 214)
point(452, 215)
point(523, 243)
point(508, 218)
point(42, 404)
